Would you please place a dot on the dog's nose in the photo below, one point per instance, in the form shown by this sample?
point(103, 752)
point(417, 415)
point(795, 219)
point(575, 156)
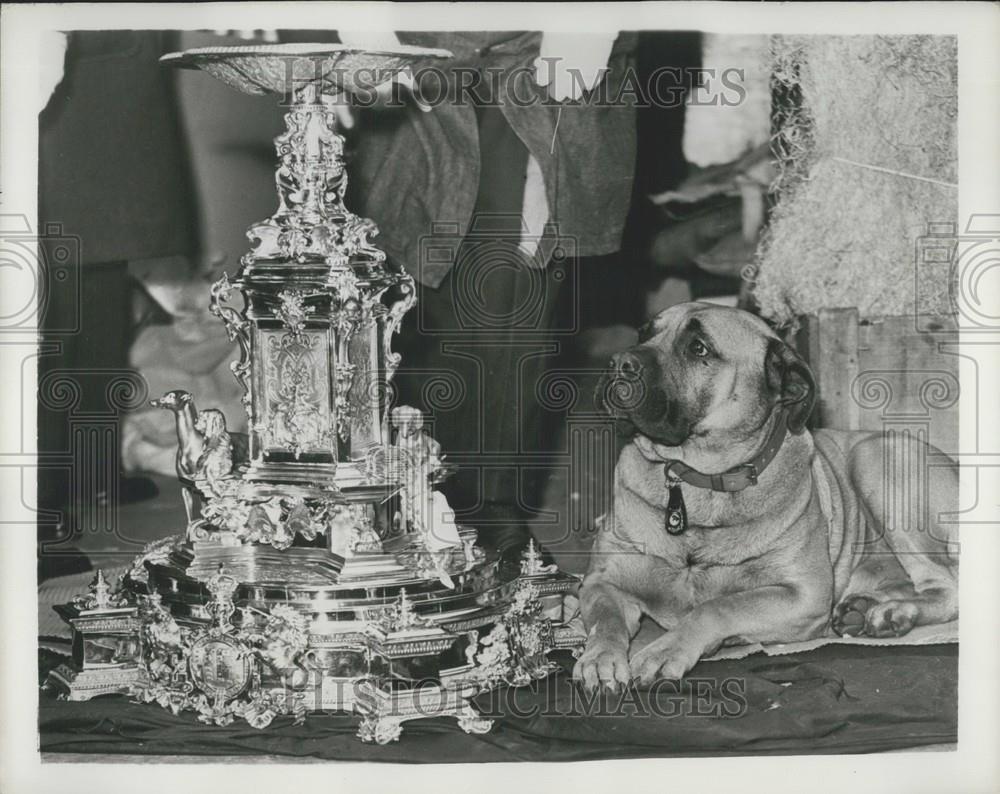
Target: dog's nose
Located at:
point(627, 365)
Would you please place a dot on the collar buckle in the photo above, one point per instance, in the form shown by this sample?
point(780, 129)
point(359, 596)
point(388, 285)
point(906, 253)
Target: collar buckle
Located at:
point(751, 471)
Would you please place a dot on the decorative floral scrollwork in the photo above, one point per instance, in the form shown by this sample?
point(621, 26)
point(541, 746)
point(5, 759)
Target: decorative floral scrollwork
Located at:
point(473, 723)
point(215, 671)
point(406, 297)
point(380, 730)
point(296, 392)
point(275, 521)
point(292, 310)
point(356, 238)
point(158, 551)
point(514, 651)
point(222, 586)
point(309, 223)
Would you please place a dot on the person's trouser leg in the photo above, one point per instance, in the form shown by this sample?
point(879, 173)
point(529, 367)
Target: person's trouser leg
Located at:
point(474, 347)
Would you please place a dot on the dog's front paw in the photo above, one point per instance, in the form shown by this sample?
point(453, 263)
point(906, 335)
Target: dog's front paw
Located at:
point(602, 664)
point(669, 656)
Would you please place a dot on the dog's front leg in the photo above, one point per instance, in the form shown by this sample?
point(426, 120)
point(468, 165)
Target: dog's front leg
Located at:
point(612, 619)
point(775, 613)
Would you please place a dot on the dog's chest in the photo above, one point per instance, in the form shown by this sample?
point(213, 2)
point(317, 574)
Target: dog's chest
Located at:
point(717, 552)
point(725, 543)
point(710, 509)
point(700, 565)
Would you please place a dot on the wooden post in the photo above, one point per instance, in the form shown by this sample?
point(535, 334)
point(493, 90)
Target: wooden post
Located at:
point(835, 364)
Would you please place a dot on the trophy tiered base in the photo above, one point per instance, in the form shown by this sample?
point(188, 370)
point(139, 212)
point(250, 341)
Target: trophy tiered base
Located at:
point(321, 569)
point(381, 638)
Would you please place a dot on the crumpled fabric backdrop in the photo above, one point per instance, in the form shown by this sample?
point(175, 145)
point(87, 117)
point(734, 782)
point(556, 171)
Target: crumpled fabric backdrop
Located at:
point(834, 699)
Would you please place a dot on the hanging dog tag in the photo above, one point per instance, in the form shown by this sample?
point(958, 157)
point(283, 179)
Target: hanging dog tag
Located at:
point(676, 518)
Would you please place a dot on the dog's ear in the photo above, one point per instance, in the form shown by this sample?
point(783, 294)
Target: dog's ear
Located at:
point(791, 381)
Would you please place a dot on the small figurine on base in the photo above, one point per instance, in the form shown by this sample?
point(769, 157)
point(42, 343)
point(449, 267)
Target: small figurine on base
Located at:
point(424, 509)
point(206, 450)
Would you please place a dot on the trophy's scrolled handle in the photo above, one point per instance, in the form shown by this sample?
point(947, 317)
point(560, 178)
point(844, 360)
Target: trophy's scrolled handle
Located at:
point(407, 297)
point(238, 330)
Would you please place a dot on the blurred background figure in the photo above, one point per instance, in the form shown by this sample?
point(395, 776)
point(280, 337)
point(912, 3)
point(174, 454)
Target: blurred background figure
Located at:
point(113, 178)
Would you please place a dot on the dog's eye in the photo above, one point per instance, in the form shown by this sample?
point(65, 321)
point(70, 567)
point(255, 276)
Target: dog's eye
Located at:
point(698, 348)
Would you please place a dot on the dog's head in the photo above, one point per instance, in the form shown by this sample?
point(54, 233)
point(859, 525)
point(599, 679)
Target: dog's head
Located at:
point(701, 370)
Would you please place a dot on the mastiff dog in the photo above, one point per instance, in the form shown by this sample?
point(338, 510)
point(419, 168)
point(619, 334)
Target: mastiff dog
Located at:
point(732, 523)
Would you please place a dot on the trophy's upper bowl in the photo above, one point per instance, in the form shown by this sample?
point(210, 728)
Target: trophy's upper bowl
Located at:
point(277, 68)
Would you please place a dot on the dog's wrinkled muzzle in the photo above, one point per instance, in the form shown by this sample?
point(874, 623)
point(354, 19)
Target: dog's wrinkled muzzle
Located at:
point(617, 396)
point(632, 391)
point(622, 389)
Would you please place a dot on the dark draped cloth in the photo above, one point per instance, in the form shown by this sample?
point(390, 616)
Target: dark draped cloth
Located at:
point(834, 699)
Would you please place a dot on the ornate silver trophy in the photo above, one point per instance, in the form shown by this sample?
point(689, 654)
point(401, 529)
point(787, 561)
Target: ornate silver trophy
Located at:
point(321, 569)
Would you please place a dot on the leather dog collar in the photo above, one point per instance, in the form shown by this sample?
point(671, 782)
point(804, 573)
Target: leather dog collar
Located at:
point(738, 477)
point(732, 480)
